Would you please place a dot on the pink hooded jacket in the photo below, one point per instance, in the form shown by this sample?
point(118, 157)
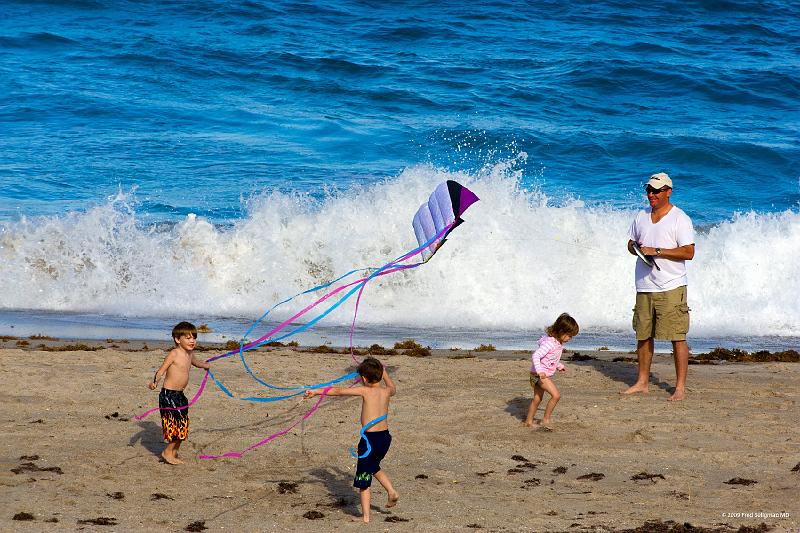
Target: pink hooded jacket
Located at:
point(547, 358)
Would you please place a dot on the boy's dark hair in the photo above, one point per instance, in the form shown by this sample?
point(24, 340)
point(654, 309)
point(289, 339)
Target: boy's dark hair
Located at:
point(564, 325)
point(370, 370)
point(184, 328)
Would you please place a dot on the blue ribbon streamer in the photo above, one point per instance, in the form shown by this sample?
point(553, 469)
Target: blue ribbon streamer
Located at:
point(351, 375)
point(363, 436)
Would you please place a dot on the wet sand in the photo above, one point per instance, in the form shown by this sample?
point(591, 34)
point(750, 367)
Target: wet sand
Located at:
point(73, 456)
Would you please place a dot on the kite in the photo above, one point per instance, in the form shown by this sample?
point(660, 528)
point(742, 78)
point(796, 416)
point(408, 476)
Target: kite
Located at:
point(432, 223)
point(441, 212)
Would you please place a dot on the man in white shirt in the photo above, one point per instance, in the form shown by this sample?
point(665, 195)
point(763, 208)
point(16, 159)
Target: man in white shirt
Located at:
point(665, 234)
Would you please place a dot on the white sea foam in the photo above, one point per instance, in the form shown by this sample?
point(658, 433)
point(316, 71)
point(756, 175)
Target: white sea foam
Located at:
point(520, 259)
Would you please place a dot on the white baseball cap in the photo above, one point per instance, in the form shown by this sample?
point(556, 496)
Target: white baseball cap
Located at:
point(660, 180)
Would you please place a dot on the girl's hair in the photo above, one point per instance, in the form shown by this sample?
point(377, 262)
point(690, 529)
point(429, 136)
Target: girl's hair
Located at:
point(564, 325)
point(371, 370)
point(184, 328)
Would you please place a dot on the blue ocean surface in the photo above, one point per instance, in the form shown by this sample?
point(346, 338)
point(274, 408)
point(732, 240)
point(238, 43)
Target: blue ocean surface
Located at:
point(205, 160)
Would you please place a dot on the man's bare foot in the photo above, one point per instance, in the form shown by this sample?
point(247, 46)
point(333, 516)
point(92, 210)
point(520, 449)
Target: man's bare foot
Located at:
point(677, 396)
point(393, 500)
point(171, 459)
point(634, 389)
point(361, 519)
point(545, 426)
point(529, 424)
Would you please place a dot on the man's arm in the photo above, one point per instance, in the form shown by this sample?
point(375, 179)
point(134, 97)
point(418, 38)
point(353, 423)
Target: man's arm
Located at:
point(681, 253)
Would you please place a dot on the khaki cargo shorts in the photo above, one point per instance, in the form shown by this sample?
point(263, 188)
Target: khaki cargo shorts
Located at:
point(662, 315)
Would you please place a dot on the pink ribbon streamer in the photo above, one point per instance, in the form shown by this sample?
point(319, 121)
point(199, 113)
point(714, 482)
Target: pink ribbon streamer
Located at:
point(273, 436)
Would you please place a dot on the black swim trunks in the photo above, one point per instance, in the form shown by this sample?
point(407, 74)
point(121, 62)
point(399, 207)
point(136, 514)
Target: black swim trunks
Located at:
point(174, 424)
point(369, 465)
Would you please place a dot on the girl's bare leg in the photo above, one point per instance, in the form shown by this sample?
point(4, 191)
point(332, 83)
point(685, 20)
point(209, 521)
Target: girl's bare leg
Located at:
point(550, 387)
point(538, 392)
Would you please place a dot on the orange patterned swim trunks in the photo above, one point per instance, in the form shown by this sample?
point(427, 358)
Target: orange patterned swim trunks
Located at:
point(174, 422)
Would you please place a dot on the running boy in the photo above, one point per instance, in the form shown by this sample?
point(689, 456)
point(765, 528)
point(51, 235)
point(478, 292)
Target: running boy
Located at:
point(375, 439)
point(171, 400)
point(546, 360)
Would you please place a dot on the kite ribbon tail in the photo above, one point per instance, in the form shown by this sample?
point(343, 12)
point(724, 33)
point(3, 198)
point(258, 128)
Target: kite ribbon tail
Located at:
point(394, 268)
point(274, 435)
point(191, 402)
point(358, 300)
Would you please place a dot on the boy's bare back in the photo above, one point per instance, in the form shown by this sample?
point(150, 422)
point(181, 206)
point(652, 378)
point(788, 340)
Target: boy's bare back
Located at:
point(375, 399)
point(375, 404)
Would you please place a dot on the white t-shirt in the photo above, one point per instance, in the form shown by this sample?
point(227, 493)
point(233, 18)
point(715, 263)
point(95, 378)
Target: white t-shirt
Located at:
point(672, 231)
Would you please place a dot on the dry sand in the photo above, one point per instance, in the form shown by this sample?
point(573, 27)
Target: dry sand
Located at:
point(72, 453)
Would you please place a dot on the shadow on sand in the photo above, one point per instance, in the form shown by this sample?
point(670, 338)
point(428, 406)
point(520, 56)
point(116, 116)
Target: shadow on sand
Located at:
point(621, 371)
point(339, 486)
point(150, 437)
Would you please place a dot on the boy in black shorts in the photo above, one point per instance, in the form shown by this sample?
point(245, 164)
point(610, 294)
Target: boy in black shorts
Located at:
point(375, 440)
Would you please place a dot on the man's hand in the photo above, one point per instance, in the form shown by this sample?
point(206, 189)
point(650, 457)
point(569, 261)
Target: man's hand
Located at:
point(647, 250)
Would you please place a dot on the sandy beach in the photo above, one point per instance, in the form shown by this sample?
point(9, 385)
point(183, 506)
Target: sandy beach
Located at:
point(74, 458)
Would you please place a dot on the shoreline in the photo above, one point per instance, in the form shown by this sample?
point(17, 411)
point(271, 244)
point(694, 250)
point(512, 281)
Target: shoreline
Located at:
point(484, 351)
point(460, 458)
point(88, 327)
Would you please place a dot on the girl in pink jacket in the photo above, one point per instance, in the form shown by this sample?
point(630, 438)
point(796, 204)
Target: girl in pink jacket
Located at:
point(546, 361)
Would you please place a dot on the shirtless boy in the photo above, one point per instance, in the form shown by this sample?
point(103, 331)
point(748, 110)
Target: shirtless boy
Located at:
point(376, 438)
point(171, 400)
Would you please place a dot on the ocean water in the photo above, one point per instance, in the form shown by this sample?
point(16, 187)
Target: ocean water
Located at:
point(206, 160)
